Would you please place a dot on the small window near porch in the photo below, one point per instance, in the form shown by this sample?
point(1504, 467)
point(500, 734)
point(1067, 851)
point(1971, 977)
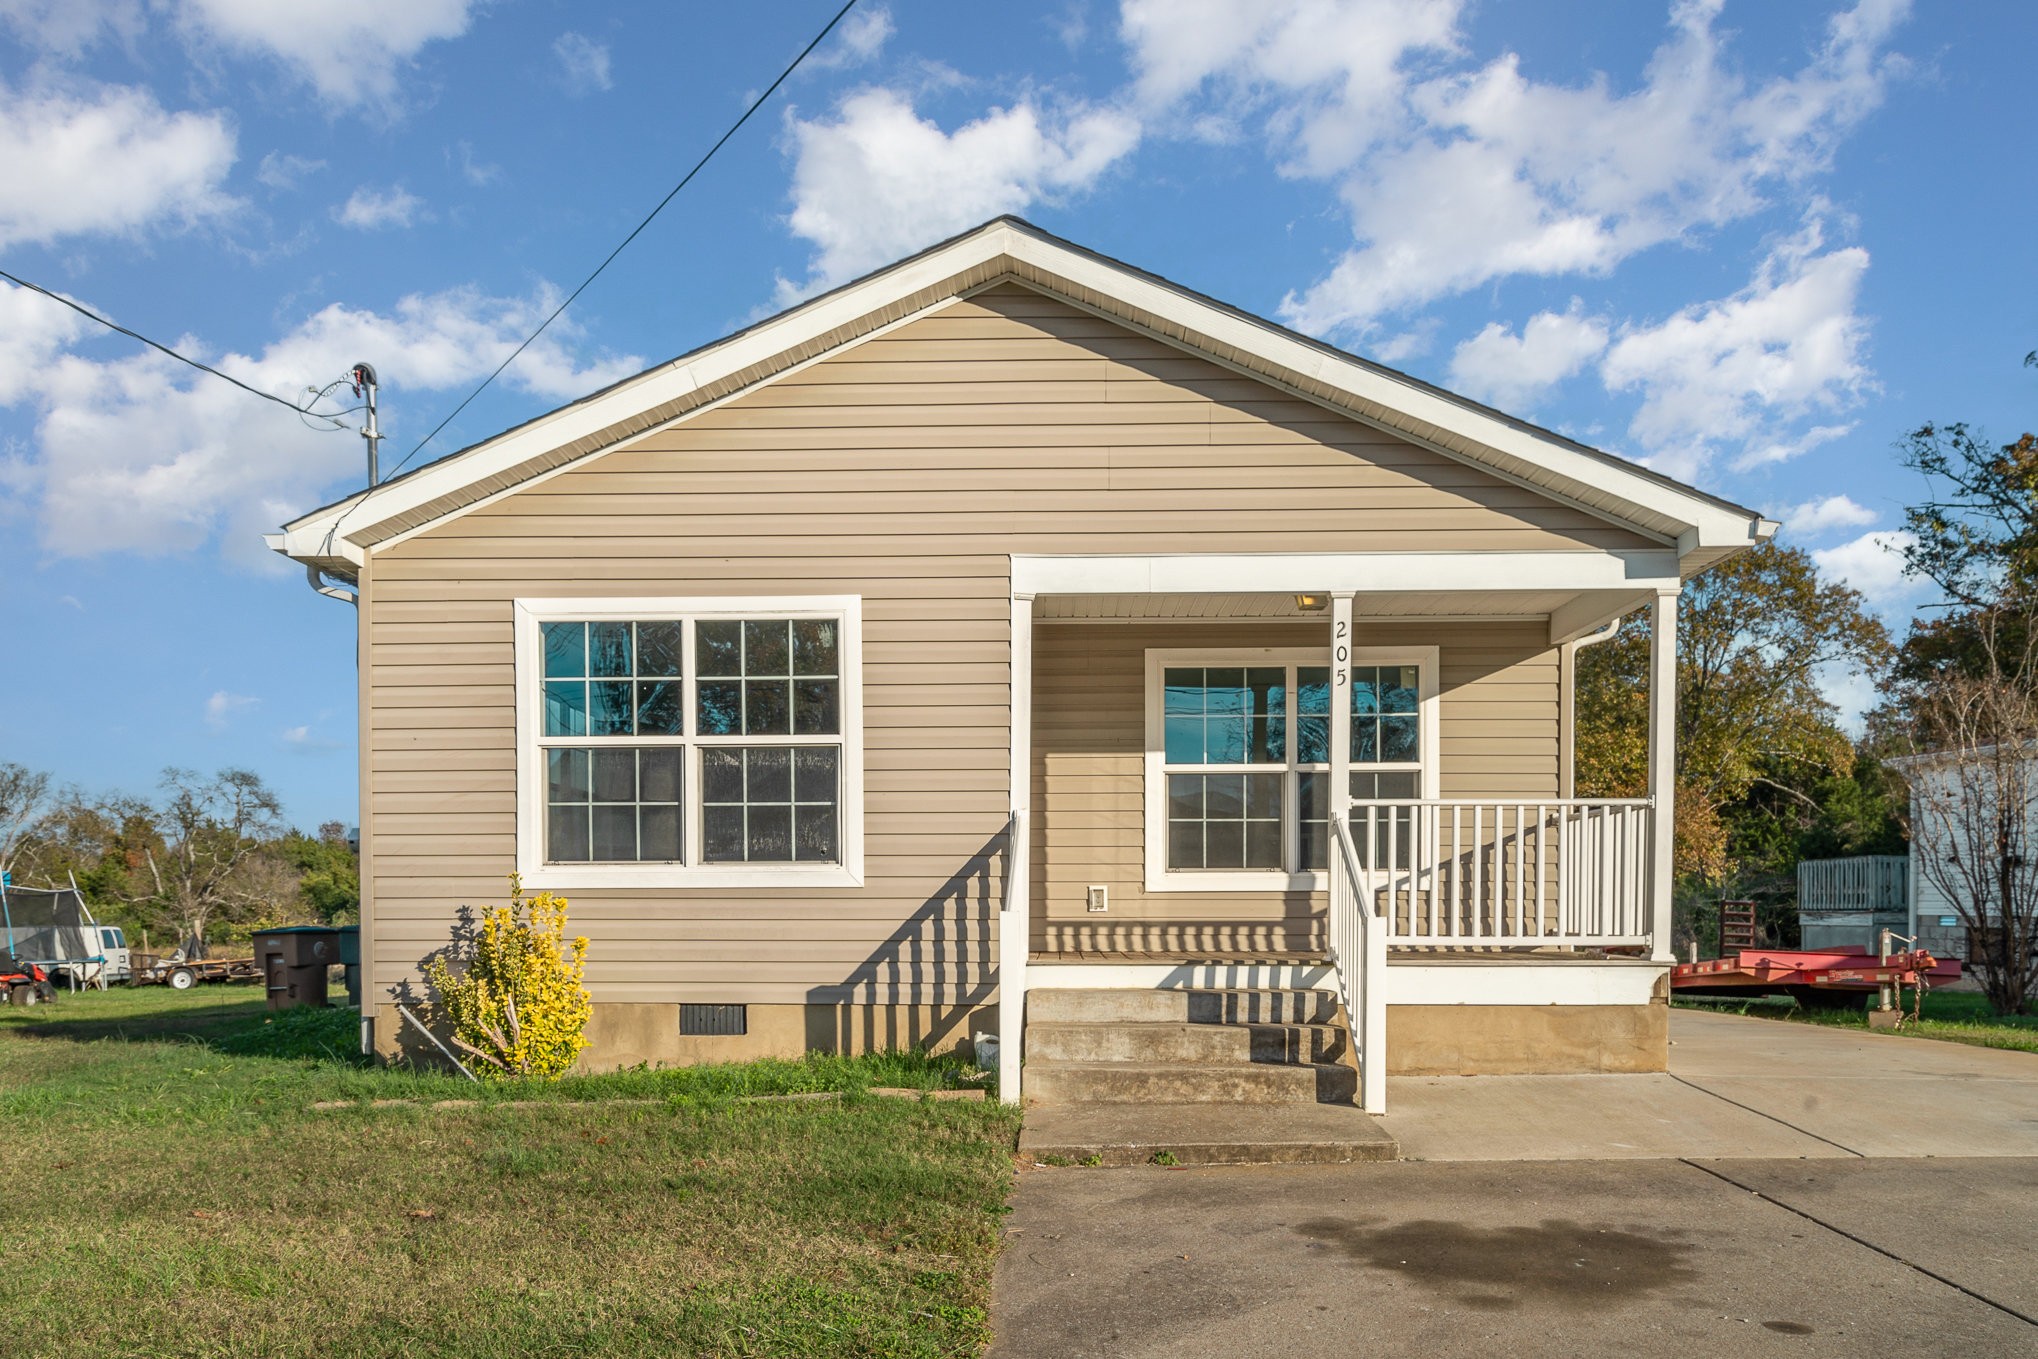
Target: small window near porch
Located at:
point(1238, 754)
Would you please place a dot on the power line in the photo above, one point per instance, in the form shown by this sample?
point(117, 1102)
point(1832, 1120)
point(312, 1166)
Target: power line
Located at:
point(86, 311)
point(699, 165)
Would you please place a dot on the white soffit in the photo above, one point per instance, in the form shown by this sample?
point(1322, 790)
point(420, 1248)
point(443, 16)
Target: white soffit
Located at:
point(1702, 527)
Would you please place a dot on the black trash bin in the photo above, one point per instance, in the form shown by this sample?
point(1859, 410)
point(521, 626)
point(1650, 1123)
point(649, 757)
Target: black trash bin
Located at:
point(294, 960)
point(350, 958)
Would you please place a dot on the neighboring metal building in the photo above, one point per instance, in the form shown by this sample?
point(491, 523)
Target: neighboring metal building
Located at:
point(1851, 901)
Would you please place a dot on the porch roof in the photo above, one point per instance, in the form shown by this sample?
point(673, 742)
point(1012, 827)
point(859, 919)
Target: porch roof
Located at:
point(1575, 592)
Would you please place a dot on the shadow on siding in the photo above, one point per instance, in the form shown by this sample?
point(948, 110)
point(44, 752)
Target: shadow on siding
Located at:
point(923, 984)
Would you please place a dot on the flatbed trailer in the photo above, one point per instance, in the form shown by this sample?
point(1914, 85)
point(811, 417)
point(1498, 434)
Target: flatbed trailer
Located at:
point(1815, 977)
point(181, 974)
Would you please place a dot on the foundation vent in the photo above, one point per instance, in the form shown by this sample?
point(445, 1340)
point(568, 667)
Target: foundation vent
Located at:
point(713, 1021)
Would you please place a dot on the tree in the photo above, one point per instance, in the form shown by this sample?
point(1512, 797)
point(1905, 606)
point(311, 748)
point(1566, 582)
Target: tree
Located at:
point(1756, 636)
point(1963, 697)
point(1974, 800)
point(210, 861)
point(24, 807)
point(328, 872)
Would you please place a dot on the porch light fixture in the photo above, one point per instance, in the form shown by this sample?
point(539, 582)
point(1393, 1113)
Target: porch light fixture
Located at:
point(1312, 603)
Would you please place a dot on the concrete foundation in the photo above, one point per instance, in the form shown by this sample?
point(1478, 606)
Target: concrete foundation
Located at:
point(1526, 1040)
point(624, 1035)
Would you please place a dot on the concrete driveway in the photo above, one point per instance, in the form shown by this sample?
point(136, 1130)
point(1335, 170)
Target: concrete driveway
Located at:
point(1783, 1189)
point(1737, 1087)
point(1637, 1258)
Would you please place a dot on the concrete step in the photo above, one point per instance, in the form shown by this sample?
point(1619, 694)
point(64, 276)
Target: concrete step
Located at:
point(1143, 1041)
point(1203, 1134)
point(1202, 1006)
point(1057, 1082)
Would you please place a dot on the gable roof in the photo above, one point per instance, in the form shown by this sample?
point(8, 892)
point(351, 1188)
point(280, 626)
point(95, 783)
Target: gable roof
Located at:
point(1703, 528)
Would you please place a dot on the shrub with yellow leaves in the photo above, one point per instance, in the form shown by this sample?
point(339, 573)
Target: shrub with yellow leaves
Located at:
point(513, 997)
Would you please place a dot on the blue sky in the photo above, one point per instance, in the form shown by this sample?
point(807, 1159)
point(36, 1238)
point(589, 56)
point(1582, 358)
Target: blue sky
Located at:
point(1751, 244)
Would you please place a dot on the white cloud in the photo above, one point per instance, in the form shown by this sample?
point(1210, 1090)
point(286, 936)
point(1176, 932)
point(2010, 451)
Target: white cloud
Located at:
point(1826, 514)
point(583, 63)
point(139, 453)
point(33, 331)
point(857, 40)
point(223, 705)
point(1510, 370)
point(369, 209)
point(1736, 370)
point(301, 740)
point(478, 173)
point(352, 54)
point(68, 27)
point(1874, 565)
point(878, 181)
point(1325, 79)
point(281, 171)
point(107, 160)
point(1783, 450)
point(1456, 178)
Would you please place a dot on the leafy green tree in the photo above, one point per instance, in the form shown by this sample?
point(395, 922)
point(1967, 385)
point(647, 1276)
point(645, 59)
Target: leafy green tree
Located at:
point(1756, 637)
point(329, 873)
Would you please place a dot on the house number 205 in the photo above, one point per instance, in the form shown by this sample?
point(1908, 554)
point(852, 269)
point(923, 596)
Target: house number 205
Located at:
point(1342, 652)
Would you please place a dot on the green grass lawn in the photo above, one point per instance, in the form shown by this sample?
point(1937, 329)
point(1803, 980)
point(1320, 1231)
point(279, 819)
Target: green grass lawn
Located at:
point(170, 1191)
point(1954, 1016)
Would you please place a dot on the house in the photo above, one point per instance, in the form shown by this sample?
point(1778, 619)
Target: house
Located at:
point(1960, 844)
point(1848, 903)
point(1010, 622)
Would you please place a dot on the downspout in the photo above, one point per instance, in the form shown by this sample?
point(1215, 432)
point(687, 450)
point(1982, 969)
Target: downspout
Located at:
point(1567, 783)
point(340, 592)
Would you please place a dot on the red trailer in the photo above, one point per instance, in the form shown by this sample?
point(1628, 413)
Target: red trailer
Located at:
point(1817, 978)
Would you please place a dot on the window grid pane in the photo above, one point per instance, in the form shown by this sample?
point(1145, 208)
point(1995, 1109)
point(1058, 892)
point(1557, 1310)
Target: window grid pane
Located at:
point(1386, 721)
point(771, 804)
point(1225, 821)
point(614, 804)
point(768, 677)
point(613, 678)
point(1225, 714)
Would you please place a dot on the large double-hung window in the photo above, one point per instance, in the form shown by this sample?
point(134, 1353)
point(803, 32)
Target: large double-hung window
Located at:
point(1238, 777)
point(689, 742)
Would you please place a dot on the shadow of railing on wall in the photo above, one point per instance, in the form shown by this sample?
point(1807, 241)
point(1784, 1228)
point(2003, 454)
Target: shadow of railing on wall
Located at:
point(923, 984)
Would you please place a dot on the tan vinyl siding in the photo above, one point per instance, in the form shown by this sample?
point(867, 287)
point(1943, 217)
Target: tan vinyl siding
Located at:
point(905, 470)
point(1497, 696)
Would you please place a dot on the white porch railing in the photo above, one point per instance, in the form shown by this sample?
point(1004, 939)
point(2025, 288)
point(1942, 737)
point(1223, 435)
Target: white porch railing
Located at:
point(1458, 873)
point(1358, 950)
point(1866, 882)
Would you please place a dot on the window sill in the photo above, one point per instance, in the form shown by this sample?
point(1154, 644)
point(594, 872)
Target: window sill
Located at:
point(577, 877)
point(1237, 882)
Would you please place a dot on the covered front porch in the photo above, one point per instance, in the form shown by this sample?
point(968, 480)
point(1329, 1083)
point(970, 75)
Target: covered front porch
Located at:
point(1340, 771)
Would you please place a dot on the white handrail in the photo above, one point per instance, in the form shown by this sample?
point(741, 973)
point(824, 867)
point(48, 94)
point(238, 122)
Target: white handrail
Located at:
point(1358, 952)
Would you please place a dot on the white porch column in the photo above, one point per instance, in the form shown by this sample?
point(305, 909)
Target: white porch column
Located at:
point(1015, 930)
point(1662, 770)
point(1340, 705)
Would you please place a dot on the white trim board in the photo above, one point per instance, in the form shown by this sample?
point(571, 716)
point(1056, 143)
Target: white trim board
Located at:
point(1501, 981)
point(1522, 981)
point(1357, 573)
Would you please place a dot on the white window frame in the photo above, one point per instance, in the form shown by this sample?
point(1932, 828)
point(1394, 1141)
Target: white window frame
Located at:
point(1159, 877)
point(531, 614)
